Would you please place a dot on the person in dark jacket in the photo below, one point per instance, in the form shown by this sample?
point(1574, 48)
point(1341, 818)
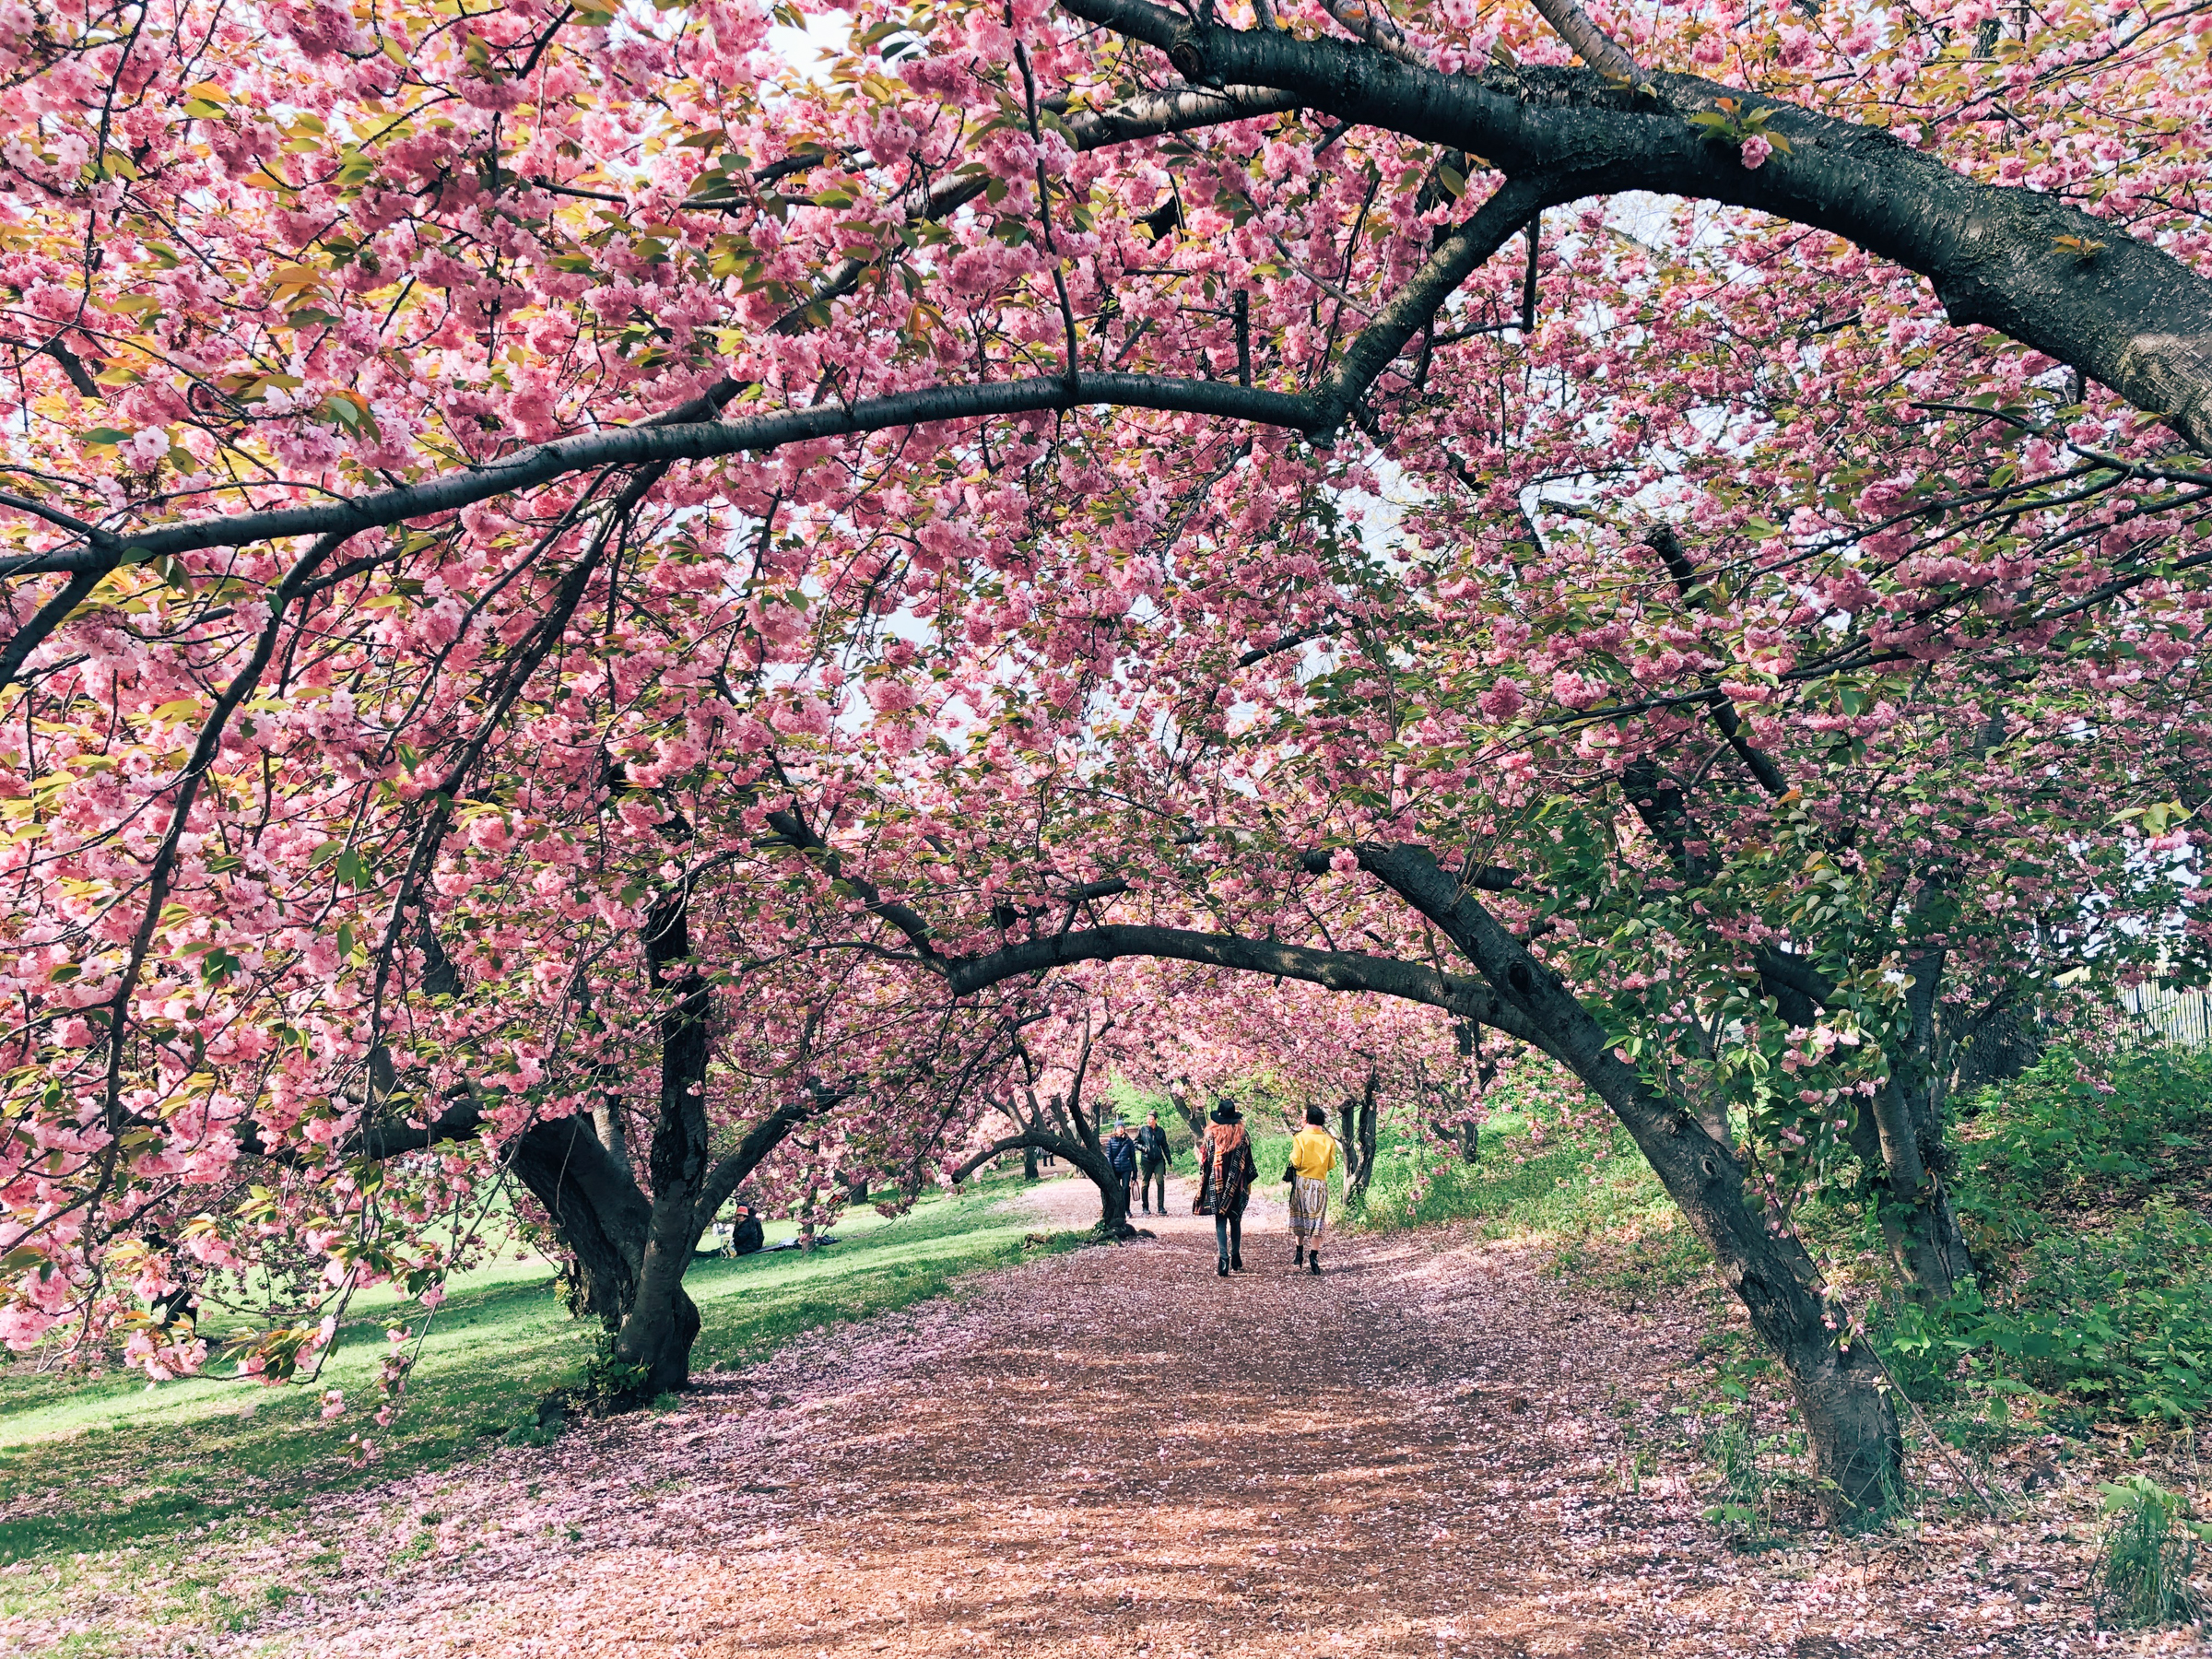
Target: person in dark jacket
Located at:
point(1152, 1163)
point(1226, 1162)
point(1121, 1152)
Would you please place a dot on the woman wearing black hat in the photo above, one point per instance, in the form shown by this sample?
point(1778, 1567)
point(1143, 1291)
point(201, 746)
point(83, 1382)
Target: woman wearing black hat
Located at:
point(1228, 1170)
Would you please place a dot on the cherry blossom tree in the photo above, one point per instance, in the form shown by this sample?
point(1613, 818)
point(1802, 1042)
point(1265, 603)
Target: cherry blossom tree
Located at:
point(530, 534)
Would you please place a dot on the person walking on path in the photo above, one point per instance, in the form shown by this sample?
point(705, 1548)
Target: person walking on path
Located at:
point(1312, 1156)
point(1152, 1162)
point(1227, 1168)
point(1121, 1152)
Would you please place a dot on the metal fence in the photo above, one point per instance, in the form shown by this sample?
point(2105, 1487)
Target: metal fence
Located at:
point(2150, 1014)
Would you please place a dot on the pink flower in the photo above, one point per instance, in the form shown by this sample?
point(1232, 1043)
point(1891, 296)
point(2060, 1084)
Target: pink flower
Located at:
point(146, 449)
point(1755, 150)
point(1503, 701)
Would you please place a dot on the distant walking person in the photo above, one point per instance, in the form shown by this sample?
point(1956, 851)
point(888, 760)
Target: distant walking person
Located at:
point(1152, 1160)
point(1312, 1156)
point(1121, 1152)
point(1228, 1170)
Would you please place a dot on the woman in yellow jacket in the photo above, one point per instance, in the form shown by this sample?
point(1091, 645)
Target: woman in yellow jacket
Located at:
point(1312, 1156)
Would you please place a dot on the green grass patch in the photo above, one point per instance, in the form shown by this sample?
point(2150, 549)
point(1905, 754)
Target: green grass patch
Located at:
point(1544, 1173)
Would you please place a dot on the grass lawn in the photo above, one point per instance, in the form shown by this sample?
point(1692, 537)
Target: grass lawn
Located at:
point(98, 1474)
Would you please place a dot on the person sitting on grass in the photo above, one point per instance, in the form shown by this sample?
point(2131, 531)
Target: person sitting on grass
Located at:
point(1312, 1156)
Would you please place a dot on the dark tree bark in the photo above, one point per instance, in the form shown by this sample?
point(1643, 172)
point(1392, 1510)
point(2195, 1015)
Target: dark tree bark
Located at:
point(1918, 1222)
point(660, 1323)
point(595, 1208)
point(1189, 1107)
point(1995, 1045)
point(1113, 1191)
point(2120, 310)
point(1904, 1153)
point(629, 1251)
point(1842, 1392)
point(1358, 1117)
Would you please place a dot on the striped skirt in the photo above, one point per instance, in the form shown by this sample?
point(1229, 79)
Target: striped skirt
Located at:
point(1308, 1209)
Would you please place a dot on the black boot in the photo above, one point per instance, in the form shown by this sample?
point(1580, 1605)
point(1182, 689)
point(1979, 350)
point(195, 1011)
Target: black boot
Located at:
point(1222, 1266)
point(1314, 1263)
point(1237, 1261)
point(1298, 1257)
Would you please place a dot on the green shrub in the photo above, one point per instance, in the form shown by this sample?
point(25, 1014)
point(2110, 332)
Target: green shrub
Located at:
point(2120, 1322)
point(2149, 1552)
point(2058, 1133)
point(2114, 1317)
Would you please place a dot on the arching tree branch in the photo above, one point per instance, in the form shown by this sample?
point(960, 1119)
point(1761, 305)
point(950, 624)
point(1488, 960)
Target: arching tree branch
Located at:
point(2130, 315)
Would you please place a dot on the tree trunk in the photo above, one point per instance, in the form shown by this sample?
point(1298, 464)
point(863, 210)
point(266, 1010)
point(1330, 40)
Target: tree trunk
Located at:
point(1113, 1195)
point(2003, 1042)
point(1113, 1191)
point(1850, 1424)
point(628, 1253)
point(1188, 1106)
point(606, 1123)
point(1918, 1222)
point(661, 1323)
point(595, 1208)
point(1359, 1153)
point(1029, 1163)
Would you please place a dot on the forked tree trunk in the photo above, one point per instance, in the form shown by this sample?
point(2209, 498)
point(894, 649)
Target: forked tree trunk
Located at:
point(1468, 1133)
point(595, 1208)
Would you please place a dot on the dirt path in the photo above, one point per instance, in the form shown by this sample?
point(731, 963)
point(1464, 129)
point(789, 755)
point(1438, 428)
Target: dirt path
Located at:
point(1116, 1452)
